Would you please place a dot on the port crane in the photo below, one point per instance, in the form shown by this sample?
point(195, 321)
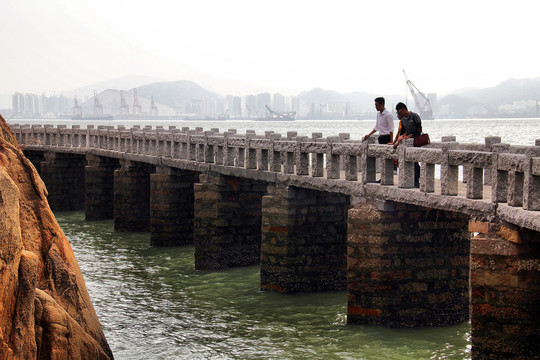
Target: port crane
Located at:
point(98, 108)
point(124, 107)
point(275, 115)
point(77, 109)
point(153, 108)
point(423, 105)
point(137, 108)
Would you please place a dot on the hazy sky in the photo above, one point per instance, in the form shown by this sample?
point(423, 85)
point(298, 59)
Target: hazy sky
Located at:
point(239, 47)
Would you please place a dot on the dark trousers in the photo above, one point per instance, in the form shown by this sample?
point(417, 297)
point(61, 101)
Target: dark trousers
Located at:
point(384, 139)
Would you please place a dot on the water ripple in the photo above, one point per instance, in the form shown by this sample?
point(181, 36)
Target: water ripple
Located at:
point(153, 304)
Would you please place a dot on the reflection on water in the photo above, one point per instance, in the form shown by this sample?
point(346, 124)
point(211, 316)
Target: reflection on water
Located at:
point(153, 304)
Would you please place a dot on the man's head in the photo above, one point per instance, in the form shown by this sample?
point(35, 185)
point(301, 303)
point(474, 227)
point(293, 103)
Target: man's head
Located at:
point(401, 109)
point(379, 104)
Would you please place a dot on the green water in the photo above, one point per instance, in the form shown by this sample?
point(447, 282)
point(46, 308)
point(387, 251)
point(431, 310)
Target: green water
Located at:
point(153, 304)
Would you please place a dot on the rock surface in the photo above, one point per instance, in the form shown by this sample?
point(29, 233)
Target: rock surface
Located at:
point(45, 309)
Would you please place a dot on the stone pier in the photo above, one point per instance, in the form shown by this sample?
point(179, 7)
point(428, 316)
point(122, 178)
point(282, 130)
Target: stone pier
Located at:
point(132, 196)
point(99, 172)
point(304, 236)
point(505, 287)
point(227, 221)
point(172, 206)
point(407, 266)
point(64, 175)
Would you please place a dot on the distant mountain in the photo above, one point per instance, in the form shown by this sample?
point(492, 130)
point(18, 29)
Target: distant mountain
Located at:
point(507, 92)
point(513, 97)
point(176, 94)
point(125, 82)
point(464, 106)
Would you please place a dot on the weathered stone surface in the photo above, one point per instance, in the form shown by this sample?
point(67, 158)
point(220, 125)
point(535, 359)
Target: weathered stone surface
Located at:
point(303, 240)
point(505, 294)
point(406, 266)
point(37, 268)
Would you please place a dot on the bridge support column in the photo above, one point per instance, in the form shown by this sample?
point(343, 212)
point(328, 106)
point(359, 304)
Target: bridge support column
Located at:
point(407, 266)
point(132, 196)
point(304, 236)
point(227, 221)
point(99, 173)
point(505, 273)
point(171, 207)
point(63, 174)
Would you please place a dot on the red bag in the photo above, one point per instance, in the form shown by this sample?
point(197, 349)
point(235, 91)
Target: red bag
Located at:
point(421, 140)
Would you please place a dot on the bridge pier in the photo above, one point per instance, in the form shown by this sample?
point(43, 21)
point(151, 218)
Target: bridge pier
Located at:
point(172, 206)
point(227, 226)
point(132, 196)
point(407, 266)
point(99, 173)
point(63, 175)
point(303, 240)
point(505, 273)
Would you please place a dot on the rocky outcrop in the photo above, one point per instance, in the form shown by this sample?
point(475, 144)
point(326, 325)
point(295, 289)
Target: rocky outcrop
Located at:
point(45, 309)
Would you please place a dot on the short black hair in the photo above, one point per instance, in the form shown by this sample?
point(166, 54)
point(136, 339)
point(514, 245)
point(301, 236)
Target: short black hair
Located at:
point(379, 100)
point(400, 106)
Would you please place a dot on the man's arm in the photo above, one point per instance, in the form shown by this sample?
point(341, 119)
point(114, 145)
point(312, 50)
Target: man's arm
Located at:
point(368, 135)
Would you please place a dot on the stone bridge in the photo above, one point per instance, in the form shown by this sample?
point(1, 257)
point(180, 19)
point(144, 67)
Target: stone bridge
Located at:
point(322, 214)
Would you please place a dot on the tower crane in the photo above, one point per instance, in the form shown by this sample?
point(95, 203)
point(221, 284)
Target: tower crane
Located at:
point(98, 108)
point(137, 108)
point(124, 107)
point(423, 105)
point(77, 109)
point(153, 108)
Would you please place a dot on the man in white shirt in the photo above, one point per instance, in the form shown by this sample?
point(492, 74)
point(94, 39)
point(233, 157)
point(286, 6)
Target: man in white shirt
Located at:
point(384, 124)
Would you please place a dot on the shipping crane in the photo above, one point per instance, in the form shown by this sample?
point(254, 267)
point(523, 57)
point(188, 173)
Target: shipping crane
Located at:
point(137, 108)
point(124, 107)
point(153, 108)
point(424, 109)
point(275, 115)
point(77, 109)
point(98, 108)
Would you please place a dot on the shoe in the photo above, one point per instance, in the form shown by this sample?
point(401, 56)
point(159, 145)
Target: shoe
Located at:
point(378, 181)
point(417, 185)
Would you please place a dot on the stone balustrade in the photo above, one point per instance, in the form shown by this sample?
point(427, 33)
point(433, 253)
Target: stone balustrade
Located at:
point(512, 173)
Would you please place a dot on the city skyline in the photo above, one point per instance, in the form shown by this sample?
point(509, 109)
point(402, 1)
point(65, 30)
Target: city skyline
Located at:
point(241, 47)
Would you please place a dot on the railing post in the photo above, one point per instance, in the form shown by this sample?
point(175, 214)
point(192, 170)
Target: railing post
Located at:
point(229, 151)
point(449, 173)
point(406, 168)
point(251, 154)
point(302, 159)
point(333, 165)
point(499, 184)
point(531, 183)
point(209, 150)
point(489, 142)
point(368, 171)
point(275, 156)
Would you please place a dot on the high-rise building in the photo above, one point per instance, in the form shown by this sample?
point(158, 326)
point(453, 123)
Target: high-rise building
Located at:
point(251, 106)
point(263, 100)
point(279, 102)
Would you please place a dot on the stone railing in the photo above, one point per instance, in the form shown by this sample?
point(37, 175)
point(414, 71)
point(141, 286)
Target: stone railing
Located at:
point(512, 172)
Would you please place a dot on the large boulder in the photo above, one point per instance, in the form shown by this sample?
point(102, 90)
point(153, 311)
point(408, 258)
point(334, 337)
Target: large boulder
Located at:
point(45, 309)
